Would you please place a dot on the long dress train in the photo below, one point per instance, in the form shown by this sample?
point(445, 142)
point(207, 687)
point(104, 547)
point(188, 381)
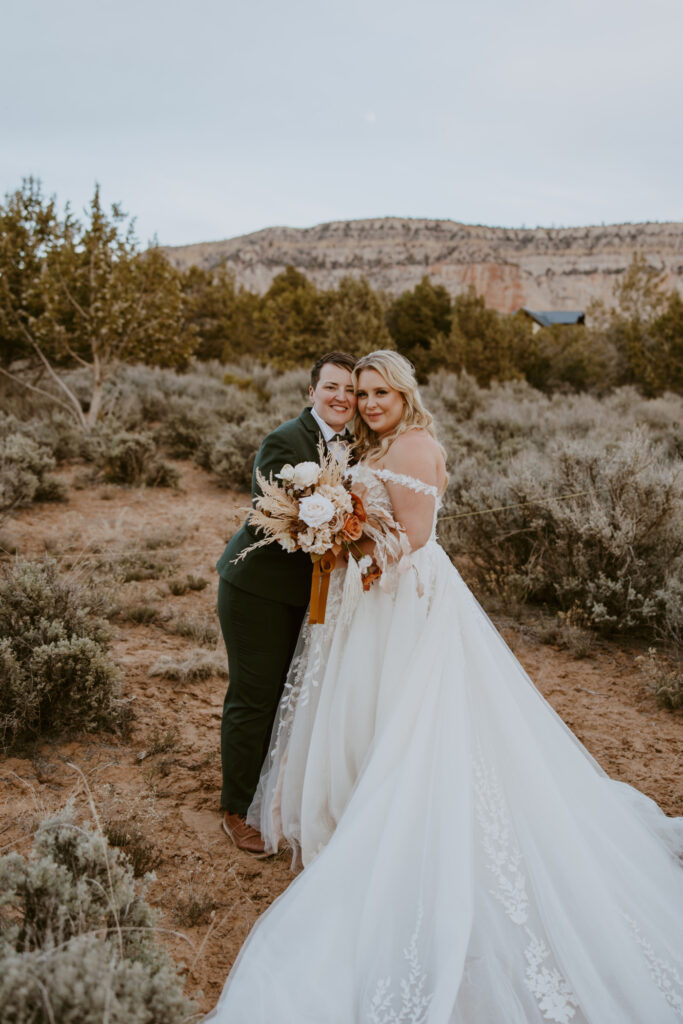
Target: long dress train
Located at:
point(467, 860)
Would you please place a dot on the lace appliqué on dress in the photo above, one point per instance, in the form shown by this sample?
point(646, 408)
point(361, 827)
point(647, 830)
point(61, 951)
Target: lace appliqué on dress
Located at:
point(306, 668)
point(504, 857)
point(555, 999)
point(412, 482)
point(667, 978)
point(554, 996)
point(414, 1000)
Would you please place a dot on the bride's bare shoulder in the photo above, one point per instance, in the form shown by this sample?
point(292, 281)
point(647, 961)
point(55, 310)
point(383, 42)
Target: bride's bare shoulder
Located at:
point(416, 453)
point(414, 438)
point(410, 445)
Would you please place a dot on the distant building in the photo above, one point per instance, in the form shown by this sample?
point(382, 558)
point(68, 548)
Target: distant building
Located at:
point(548, 318)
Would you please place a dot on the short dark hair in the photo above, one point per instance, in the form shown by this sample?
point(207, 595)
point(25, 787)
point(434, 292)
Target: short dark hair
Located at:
point(338, 358)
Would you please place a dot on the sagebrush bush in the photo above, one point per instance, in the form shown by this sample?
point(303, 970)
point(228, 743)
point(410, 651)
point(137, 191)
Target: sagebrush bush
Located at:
point(198, 628)
point(184, 429)
point(141, 853)
point(568, 632)
point(123, 563)
point(55, 431)
point(57, 675)
point(497, 422)
point(162, 474)
point(159, 742)
point(164, 538)
point(664, 676)
point(195, 901)
point(612, 551)
point(178, 587)
point(669, 598)
point(215, 414)
point(197, 664)
point(144, 395)
point(25, 473)
point(230, 455)
point(77, 938)
point(125, 458)
point(140, 613)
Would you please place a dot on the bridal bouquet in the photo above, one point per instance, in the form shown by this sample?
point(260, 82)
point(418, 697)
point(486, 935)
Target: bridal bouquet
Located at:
point(310, 507)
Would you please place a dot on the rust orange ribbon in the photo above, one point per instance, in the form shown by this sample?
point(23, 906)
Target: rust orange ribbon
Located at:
point(319, 586)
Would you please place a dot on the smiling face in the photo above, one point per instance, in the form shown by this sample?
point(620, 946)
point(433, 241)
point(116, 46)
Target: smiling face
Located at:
point(333, 396)
point(379, 405)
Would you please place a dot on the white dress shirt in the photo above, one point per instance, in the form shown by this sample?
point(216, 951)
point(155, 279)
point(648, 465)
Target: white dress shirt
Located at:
point(327, 431)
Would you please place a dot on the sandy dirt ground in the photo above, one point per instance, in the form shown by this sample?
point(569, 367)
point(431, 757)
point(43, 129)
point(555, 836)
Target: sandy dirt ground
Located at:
point(163, 780)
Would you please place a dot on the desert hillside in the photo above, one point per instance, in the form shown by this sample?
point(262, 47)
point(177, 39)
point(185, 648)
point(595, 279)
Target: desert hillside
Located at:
point(544, 268)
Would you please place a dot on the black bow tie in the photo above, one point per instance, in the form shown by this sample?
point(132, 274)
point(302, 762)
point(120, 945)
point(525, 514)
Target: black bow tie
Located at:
point(339, 437)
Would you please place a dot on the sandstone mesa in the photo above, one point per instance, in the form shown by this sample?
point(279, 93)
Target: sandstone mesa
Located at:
point(543, 268)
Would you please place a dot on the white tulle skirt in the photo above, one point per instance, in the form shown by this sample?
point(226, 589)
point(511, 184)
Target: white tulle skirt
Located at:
point(466, 859)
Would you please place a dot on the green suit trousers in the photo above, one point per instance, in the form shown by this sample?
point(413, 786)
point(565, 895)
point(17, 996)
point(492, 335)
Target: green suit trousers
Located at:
point(260, 636)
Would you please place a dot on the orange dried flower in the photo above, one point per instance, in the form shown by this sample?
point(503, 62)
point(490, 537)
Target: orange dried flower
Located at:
point(358, 507)
point(352, 528)
point(371, 574)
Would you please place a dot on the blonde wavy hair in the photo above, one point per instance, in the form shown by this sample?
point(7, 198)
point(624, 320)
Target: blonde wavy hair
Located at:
point(400, 375)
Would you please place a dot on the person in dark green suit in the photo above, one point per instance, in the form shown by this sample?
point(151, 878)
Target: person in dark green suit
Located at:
point(262, 600)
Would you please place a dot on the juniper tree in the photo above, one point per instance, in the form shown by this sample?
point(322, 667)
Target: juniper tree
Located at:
point(417, 318)
point(84, 294)
point(355, 320)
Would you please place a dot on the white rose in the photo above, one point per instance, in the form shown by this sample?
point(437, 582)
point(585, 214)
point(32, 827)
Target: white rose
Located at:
point(315, 510)
point(288, 543)
point(286, 473)
point(306, 474)
point(364, 563)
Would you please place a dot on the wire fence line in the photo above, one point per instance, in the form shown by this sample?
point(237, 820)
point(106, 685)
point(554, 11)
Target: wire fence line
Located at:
point(517, 504)
point(535, 501)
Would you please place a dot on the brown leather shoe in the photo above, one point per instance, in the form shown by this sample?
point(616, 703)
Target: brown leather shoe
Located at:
point(245, 837)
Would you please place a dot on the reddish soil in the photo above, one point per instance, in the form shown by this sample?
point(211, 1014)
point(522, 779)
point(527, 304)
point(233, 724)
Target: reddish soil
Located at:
point(208, 893)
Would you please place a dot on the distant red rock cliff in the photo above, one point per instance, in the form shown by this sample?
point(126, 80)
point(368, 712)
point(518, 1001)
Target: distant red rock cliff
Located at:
point(544, 268)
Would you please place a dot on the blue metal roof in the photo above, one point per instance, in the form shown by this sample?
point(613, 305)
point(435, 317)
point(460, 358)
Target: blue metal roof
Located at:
point(546, 318)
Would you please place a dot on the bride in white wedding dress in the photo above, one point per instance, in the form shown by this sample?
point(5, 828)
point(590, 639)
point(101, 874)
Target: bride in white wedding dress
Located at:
point(466, 859)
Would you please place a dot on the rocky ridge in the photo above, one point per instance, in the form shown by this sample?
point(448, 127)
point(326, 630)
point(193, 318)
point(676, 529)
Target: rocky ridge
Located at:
point(544, 268)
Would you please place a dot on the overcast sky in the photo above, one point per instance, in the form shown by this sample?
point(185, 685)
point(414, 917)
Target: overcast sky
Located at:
point(216, 118)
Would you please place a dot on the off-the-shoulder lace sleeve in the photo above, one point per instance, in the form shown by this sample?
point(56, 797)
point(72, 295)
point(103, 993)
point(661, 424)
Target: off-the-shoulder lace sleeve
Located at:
point(419, 486)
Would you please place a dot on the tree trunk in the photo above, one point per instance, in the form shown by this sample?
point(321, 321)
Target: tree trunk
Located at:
point(97, 394)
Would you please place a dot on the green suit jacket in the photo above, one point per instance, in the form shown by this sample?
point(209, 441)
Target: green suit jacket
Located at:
point(271, 571)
